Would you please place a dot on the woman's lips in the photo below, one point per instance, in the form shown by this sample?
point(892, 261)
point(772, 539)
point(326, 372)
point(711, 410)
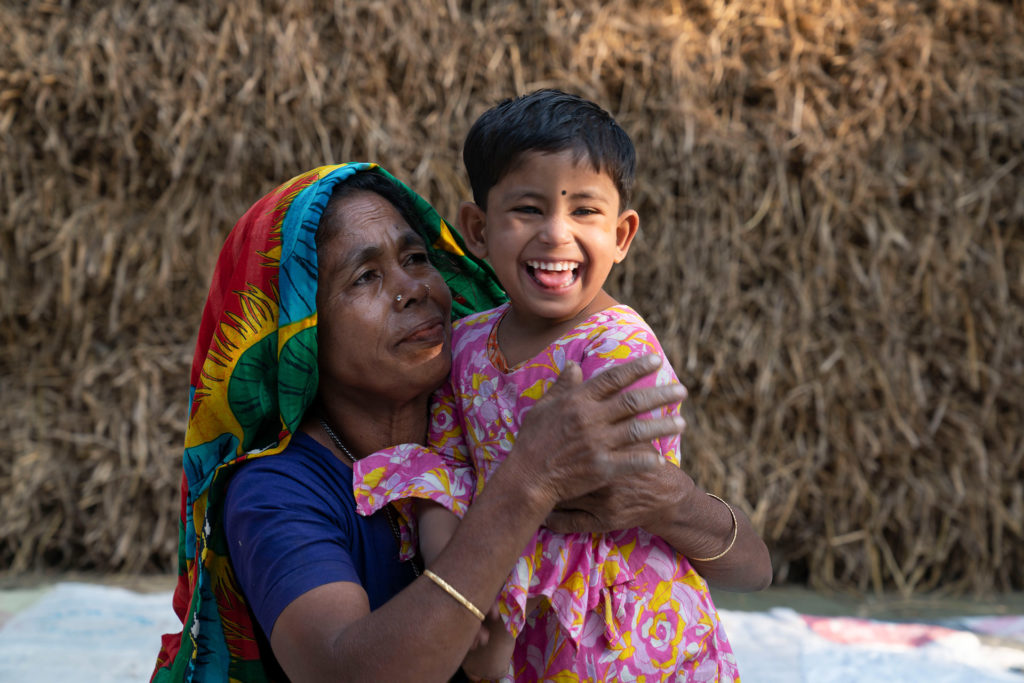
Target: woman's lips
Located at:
point(430, 332)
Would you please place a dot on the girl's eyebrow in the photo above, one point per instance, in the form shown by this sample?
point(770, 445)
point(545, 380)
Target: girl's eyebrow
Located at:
point(519, 195)
point(587, 194)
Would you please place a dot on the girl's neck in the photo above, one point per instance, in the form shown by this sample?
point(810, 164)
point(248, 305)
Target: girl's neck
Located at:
point(523, 337)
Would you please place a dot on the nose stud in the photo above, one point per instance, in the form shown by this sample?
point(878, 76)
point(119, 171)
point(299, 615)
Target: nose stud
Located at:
point(398, 297)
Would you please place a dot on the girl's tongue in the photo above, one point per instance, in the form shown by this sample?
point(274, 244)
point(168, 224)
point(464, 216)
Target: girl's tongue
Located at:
point(551, 278)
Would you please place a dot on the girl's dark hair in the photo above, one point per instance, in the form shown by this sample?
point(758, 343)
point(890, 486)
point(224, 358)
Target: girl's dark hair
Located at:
point(547, 121)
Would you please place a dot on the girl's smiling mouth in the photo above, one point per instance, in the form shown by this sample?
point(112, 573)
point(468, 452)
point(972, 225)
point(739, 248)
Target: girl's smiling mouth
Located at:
point(553, 274)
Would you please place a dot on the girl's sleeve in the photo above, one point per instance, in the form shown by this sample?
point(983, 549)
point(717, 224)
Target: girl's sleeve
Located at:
point(440, 471)
point(621, 342)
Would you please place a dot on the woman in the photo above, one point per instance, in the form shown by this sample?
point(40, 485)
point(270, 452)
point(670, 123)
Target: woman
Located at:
point(326, 329)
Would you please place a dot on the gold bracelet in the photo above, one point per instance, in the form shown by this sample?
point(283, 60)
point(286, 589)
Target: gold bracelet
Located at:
point(454, 593)
point(735, 533)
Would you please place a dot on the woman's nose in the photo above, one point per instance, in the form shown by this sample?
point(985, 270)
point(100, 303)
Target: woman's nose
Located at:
point(410, 290)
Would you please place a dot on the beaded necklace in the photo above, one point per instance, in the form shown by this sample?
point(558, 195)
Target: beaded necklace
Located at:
point(388, 512)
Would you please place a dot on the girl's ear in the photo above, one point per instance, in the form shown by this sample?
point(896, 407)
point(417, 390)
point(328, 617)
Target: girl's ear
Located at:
point(625, 231)
point(472, 221)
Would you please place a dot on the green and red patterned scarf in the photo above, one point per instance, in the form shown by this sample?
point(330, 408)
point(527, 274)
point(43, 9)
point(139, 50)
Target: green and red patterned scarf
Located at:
point(254, 374)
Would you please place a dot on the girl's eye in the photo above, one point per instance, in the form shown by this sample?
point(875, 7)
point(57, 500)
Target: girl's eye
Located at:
point(526, 209)
point(585, 211)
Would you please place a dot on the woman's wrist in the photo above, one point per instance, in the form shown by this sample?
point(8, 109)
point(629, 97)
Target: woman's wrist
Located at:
point(694, 522)
point(526, 487)
point(674, 521)
point(732, 541)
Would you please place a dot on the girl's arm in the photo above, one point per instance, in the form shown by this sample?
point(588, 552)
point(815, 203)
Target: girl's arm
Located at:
point(577, 439)
point(436, 525)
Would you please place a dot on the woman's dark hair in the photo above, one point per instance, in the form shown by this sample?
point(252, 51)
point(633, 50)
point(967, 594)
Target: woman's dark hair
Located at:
point(369, 181)
point(547, 121)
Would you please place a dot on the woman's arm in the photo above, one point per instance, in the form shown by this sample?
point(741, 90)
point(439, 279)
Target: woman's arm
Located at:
point(578, 438)
point(492, 648)
point(668, 504)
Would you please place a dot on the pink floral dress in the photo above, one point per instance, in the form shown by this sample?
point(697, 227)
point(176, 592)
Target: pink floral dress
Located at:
point(618, 606)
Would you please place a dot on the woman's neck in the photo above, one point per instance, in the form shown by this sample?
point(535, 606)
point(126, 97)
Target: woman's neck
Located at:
point(365, 426)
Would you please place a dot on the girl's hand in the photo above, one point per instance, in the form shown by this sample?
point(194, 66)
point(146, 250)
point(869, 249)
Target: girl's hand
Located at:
point(491, 651)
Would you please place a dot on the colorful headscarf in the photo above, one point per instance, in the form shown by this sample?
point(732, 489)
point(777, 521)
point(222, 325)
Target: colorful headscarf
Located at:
point(254, 374)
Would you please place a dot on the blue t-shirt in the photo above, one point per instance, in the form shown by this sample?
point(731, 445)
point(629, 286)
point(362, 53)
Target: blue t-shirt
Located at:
point(291, 525)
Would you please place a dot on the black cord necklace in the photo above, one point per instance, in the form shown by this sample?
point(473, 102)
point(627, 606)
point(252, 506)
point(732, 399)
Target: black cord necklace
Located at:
point(388, 512)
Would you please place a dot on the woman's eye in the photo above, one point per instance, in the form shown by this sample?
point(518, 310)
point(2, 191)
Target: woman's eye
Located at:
point(365, 277)
point(418, 258)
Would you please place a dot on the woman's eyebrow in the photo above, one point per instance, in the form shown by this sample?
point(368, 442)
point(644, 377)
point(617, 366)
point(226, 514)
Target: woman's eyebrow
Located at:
point(357, 257)
point(411, 238)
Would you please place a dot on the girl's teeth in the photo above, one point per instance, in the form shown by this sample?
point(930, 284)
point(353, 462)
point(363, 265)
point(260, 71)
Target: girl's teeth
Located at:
point(552, 274)
point(547, 265)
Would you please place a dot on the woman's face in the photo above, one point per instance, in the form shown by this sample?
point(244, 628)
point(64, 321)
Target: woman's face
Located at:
point(374, 345)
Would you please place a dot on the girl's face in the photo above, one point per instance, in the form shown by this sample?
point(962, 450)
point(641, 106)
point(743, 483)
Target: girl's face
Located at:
point(551, 231)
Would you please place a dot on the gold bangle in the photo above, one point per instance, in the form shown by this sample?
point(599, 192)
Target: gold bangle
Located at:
point(454, 593)
point(735, 533)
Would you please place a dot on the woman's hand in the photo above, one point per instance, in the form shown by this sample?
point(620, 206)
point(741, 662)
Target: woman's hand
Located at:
point(666, 503)
point(642, 500)
point(581, 436)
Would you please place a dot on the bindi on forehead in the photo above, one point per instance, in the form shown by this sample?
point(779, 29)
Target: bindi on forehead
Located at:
point(563, 193)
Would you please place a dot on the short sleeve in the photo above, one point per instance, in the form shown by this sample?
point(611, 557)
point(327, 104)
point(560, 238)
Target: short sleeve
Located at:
point(282, 540)
point(440, 471)
point(621, 339)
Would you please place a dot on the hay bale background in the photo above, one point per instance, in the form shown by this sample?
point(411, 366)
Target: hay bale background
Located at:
point(831, 198)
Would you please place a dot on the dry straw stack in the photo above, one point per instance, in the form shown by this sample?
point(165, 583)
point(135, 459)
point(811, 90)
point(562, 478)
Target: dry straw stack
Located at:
point(832, 206)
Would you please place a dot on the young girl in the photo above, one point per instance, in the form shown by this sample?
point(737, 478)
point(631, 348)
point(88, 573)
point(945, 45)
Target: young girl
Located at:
point(551, 174)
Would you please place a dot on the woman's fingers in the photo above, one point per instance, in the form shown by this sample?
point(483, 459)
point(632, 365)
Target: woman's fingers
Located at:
point(631, 459)
point(635, 402)
point(581, 435)
point(607, 390)
point(644, 430)
point(621, 376)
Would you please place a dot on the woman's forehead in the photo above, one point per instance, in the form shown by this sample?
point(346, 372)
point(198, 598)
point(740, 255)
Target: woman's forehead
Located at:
point(366, 226)
point(362, 208)
point(368, 217)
